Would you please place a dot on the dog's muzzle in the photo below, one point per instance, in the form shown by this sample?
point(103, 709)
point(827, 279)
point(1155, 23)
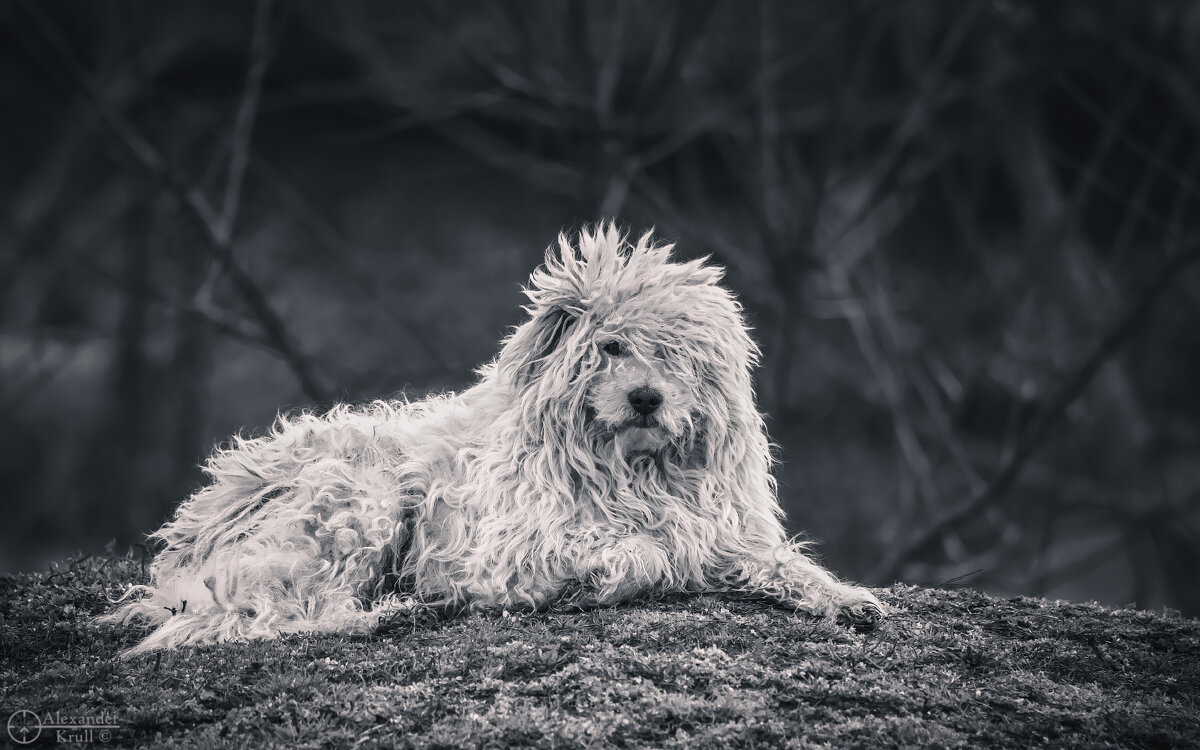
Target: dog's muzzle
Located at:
point(645, 400)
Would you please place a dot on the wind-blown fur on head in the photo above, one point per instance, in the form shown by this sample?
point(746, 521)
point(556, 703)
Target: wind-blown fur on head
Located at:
point(612, 449)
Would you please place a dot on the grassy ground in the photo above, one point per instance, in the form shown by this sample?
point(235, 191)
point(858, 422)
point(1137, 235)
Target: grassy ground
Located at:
point(949, 669)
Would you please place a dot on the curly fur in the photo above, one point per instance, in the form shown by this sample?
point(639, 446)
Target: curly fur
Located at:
point(538, 486)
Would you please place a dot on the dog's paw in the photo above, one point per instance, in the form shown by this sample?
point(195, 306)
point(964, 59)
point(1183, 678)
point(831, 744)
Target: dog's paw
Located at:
point(392, 613)
point(860, 610)
point(623, 569)
point(863, 617)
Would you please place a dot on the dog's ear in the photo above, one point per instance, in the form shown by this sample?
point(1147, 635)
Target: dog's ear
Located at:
point(534, 341)
point(556, 291)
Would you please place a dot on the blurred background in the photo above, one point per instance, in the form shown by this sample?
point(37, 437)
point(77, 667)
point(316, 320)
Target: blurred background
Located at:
point(965, 232)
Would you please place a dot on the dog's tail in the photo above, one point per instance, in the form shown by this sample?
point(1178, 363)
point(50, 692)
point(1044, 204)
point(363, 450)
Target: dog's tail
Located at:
point(196, 607)
point(166, 608)
point(261, 588)
point(190, 598)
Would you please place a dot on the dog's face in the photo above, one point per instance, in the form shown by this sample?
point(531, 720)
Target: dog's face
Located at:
point(624, 345)
point(638, 393)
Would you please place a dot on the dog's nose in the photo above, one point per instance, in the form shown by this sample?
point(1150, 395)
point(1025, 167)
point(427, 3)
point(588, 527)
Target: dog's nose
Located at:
point(645, 400)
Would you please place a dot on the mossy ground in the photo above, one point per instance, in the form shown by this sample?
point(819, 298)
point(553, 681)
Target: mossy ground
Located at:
point(948, 669)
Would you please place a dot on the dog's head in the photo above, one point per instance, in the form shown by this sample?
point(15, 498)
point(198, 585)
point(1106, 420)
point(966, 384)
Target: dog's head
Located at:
point(624, 345)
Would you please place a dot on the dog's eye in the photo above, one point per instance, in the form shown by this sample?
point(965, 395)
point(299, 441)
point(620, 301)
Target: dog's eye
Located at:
point(614, 349)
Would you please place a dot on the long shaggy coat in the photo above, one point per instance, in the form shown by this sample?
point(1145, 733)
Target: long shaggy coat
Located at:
point(613, 449)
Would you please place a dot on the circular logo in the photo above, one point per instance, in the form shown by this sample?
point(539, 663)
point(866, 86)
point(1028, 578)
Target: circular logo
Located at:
point(24, 727)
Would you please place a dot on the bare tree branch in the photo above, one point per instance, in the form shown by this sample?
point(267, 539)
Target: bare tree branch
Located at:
point(151, 159)
point(1141, 193)
point(554, 176)
point(345, 252)
point(608, 73)
point(239, 151)
point(243, 128)
point(1185, 96)
point(890, 381)
point(1039, 427)
point(495, 68)
point(909, 126)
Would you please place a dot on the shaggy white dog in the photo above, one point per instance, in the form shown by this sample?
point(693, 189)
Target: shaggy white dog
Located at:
point(613, 449)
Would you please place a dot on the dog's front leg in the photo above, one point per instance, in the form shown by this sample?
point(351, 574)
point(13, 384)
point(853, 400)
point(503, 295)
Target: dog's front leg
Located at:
point(617, 567)
point(790, 577)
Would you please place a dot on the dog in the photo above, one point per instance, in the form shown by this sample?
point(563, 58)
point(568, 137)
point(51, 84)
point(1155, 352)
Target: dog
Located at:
point(611, 450)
